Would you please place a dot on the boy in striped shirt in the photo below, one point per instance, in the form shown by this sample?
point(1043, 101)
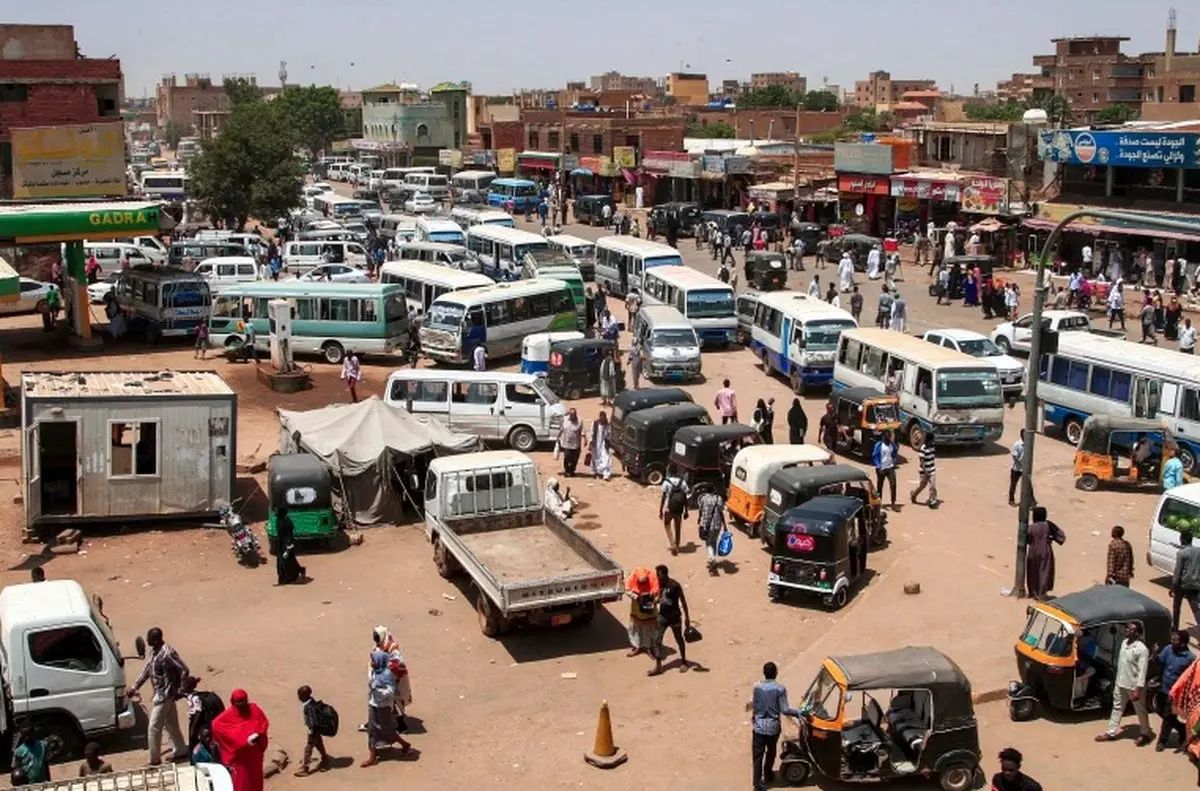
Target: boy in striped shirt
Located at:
point(928, 467)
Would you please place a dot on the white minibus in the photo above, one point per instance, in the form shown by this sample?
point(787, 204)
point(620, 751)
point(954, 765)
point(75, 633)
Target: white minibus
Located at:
point(437, 229)
point(621, 260)
point(796, 336)
point(424, 282)
point(501, 251)
point(581, 251)
point(466, 217)
point(496, 317)
point(704, 301)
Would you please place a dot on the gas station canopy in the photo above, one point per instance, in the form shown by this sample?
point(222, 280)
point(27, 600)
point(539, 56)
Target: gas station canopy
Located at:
point(31, 223)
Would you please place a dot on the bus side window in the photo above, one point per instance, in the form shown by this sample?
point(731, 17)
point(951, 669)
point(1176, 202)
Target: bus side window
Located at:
point(924, 384)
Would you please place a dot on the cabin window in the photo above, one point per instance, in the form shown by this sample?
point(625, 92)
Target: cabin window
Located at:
point(133, 448)
point(67, 648)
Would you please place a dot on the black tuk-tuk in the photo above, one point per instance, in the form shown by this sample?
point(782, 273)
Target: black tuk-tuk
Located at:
point(810, 232)
point(793, 486)
point(646, 438)
point(704, 453)
point(863, 414)
point(629, 401)
point(301, 483)
point(1067, 653)
point(766, 270)
point(960, 267)
point(574, 366)
point(858, 244)
point(820, 547)
point(872, 718)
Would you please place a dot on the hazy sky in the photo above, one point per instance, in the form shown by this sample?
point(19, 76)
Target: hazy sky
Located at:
point(506, 44)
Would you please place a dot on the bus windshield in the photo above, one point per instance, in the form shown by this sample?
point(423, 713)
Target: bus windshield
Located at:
point(446, 237)
point(668, 338)
point(969, 390)
point(665, 260)
point(710, 304)
point(823, 335)
point(185, 294)
point(395, 307)
point(444, 316)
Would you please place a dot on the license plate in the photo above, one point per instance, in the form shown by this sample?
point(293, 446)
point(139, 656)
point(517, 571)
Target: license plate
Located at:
point(559, 620)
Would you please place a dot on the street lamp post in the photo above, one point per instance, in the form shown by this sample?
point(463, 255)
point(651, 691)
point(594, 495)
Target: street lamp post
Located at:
point(1035, 349)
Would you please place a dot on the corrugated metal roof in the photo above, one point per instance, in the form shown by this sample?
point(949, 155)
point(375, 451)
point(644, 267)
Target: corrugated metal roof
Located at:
point(115, 384)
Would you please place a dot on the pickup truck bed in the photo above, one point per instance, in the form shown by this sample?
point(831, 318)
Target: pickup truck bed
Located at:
point(523, 553)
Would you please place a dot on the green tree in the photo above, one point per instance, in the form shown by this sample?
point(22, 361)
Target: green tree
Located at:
point(1058, 110)
point(249, 169)
point(171, 134)
point(868, 121)
point(822, 101)
point(713, 130)
point(1005, 111)
point(313, 115)
point(1116, 114)
point(771, 96)
point(241, 91)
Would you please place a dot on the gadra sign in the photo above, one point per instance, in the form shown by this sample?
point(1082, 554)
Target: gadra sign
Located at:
point(64, 222)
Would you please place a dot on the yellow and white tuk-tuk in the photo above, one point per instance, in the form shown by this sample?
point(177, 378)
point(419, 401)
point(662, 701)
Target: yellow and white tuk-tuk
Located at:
point(752, 469)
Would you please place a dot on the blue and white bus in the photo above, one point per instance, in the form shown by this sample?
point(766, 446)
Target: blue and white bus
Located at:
point(622, 260)
point(519, 193)
point(161, 301)
point(796, 336)
point(704, 301)
point(501, 251)
point(1098, 375)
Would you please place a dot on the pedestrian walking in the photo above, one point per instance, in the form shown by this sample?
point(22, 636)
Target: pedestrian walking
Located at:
point(1133, 661)
point(883, 313)
point(797, 423)
point(764, 420)
point(479, 358)
point(710, 506)
point(1185, 579)
point(883, 457)
point(166, 671)
point(673, 615)
point(316, 722)
point(856, 303)
point(635, 363)
point(1119, 569)
point(726, 403)
point(601, 447)
point(383, 726)
point(202, 344)
point(287, 567)
point(927, 459)
point(673, 506)
point(352, 373)
point(827, 428)
point(1116, 305)
point(1146, 317)
point(814, 288)
point(1016, 466)
point(1187, 338)
point(633, 303)
point(570, 442)
point(898, 320)
point(608, 378)
point(1173, 659)
point(642, 589)
point(1010, 777)
point(203, 707)
point(768, 703)
point(1041, 537)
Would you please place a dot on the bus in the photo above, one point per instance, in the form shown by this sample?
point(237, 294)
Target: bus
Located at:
point(165, 185)
point(393, 178)
point(437, 229)
point(796, 336)
point(454, 256)
point(552, 263)
point(328, 319)
point(423, 282)
point(497, 317)
point(954, 395)
point(471, 181)
point(582, 252)
point(501, 251)
point(520, 194)
point(1098, 375)
point(160, 301)
point(337, 207)
point(466, 217)
point(621, 260)
point(704, 301)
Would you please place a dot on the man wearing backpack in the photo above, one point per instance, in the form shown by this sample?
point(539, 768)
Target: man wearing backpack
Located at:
point(320, 720)
point(673, 507)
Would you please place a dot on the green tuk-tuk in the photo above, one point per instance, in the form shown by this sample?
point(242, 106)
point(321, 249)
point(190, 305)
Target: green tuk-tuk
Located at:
point(300, 483)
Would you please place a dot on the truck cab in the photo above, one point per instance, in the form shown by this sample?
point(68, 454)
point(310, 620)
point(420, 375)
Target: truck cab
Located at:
point(62, 665)
point(480, 485)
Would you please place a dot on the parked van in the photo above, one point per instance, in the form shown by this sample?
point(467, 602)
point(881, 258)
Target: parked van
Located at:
point(1177, 509)
point(432, 184)
point(515, 408)
point(189, 252)
point(299, 257)
point(670, 347)
point(62, 665)
point(581, 251)
point(401, 227)
point(452, 255)
point(111, 254)
point(437, 229)
point(471, 181)
point(223, 270)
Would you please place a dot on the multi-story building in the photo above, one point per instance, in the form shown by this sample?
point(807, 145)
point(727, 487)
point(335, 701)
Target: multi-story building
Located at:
point(1171, 82)
point(688, 90)
point(351, 104)
point(208, 123)
point(879, 90)
point(595, 134)
point(1092, 74)
point(175, 102)
point(454, 95)
point(615, 81)
point(45, 81)
point(730, 90)
point(783, 79)
point(399, 125)
point(1024, 87)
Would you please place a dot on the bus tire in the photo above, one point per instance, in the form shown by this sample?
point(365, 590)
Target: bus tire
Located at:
point(1073, 429)
point(916, 435)
point(797, 383)
point(333, 351)
point(522, 439)
point(1188, 459)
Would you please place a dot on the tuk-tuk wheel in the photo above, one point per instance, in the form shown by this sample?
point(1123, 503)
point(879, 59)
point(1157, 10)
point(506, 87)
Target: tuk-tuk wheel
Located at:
point(1022, 710)
point(797, 383)
point(916, 435)
point(774, 593)
point(1087, 482)
point(573, 393)
point(654, 476)
point(839, 598)
point(1073, 428)
point(957, 776)
point(796, 772)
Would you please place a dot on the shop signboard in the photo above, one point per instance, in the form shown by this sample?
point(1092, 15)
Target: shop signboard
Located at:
point(862, 185)
point(925, 189)
point(485, 158)
point(737, 165)
point(608, 167)
point(69, 161)
point(570, 162)
point(624, 156)
point(1178, 150)
point(985, 195)
point(506, 160)
point(451, 158)
point(874, 158)
point(677, 164)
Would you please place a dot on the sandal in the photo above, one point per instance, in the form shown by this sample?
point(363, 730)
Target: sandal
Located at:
point(658, 671)
point(303, 771)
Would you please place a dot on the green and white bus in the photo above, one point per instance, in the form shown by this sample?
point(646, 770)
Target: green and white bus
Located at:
point(329, 319)
point(496, 317)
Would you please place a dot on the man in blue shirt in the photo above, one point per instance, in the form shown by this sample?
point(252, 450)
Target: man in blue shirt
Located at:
point(1172, 474)
point(1174, 658)
point(770, 702)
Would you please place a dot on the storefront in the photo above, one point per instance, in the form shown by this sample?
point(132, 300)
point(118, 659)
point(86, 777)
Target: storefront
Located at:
point(864, 203)
point(391, 154)
point(538, 166)
point(922, 197)
point(778, 197)
point(1122, 238)
point(673, 176)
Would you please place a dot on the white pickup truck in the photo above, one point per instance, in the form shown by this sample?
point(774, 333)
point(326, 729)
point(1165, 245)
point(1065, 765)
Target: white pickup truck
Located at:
point(1015, 335)
point(172, 777)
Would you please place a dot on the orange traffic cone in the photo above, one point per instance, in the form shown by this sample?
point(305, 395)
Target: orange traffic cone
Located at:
point(605, 755)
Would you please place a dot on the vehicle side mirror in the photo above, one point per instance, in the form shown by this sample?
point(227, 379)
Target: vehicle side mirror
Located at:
point(139, 646)
point(801, 342)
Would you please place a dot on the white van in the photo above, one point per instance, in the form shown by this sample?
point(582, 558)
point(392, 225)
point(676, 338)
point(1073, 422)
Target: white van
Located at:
point(110, 254)
point(223, 270)
point(670, 347)
point(434, 185)
point(515, 408)
point(1176, 507)
point(452, 255)
point(62, 665)
point(401, 227)
point(299, 257)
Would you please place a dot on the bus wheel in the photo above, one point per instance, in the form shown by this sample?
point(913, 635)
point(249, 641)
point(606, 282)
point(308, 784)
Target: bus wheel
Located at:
point(797, 383)
point(1073, 428)
point(1187, 459)
point(916, 435)
point(333, 351)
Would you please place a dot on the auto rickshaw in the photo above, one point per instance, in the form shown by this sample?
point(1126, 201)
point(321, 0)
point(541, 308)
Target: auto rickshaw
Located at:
point(793, 486)
point(575, 366)
point(703, 454)
point(646, 438)
point(1106, 449)
point(820, 547)
point(753, 467)
point(766, 270)
point(629, 401)
point(1067, 653)
point(535, 349)
point(863, 414)
point(301, 483)
point(871, 718)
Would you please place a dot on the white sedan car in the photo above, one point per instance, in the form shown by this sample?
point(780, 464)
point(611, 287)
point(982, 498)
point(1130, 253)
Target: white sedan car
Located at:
point(336, 273)
point(420, 202)
point(32, 298)
point(1011, 370)
point(102, 288)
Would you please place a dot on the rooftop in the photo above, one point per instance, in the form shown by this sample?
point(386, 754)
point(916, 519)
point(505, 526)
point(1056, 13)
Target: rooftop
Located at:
point(109, 384)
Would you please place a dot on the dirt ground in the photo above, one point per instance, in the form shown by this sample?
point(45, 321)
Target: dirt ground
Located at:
point(520, 711)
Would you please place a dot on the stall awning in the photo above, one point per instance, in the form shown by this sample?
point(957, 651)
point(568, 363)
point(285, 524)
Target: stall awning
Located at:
point(1111, 227)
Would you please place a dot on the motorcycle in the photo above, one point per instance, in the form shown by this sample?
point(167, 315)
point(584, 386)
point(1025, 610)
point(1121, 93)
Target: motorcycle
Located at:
point(246, 548)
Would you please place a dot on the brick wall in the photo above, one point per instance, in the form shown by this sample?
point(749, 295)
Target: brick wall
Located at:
point(74, 70)
point(508, 134)
point(177, 104)
point(780, 124)
point(37, 42)
point(49, 105)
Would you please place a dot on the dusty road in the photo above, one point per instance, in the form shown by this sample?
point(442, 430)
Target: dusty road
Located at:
point(500, 713)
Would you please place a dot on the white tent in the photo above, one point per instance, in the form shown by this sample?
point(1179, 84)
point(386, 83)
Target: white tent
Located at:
point(366, 446)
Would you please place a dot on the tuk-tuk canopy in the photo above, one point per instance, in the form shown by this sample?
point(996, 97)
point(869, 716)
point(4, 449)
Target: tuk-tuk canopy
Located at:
point(1110, 604)
point(662, 417)
point(579, 353)
point(298, 471)
point(1098, 431)
point(764, 255)
point(914, 667)
point(797, 479)
point(967, 263)
point(861, 240)
point(628, 401)
point(857, 395)
point(826, 515)
point(699, 444)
